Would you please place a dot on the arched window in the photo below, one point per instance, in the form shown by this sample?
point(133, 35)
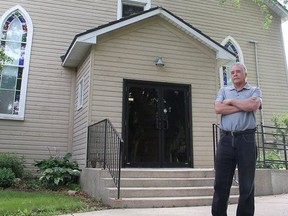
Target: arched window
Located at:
point(15, 38)
point(233, 46)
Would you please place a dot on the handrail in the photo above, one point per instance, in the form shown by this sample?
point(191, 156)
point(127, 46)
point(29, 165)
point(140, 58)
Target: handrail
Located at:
point(272, 146)
point(104, 149)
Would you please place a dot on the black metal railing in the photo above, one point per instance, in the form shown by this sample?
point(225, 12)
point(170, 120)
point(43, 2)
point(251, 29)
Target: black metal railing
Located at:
point(271, 143)
point(272, 147)
point(104, 149)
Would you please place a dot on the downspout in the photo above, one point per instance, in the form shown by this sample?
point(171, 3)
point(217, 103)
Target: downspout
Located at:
point(257, 75)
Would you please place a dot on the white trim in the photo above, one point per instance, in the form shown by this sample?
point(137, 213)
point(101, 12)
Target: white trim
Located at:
point(24, 82)
point(80, 93)
point(145, 3)
point(240, 56)
point(72, 61)
point(240, 53)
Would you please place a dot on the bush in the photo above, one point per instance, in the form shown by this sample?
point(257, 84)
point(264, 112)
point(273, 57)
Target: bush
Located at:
point(7, 177)
point(281, 122)
point(271, 156)
point(14, 162)
point(57, 171)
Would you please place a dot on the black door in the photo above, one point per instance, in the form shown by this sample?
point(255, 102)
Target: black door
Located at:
point(156, 125)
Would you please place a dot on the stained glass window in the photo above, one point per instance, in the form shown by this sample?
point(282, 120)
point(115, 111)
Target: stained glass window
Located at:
point(13, 41)
point(225, 70)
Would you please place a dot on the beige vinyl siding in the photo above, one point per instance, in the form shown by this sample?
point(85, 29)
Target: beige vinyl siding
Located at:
point(48, 122)
point(184, 63)
point(243, 24)
point(81, 115)
point(130, 54)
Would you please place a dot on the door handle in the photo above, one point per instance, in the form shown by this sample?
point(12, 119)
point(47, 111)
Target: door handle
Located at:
point(158, 124)
point(165, 124)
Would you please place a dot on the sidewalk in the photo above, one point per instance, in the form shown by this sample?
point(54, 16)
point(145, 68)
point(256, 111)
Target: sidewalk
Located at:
point(275, 205)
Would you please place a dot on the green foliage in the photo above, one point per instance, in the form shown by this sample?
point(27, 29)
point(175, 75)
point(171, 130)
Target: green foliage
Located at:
point(3, 58)
point(57, 171)
point(14, 162)
point(44, 203)
point(270, 157)
point(7, 177)
point(281, 122)
point(263, 8)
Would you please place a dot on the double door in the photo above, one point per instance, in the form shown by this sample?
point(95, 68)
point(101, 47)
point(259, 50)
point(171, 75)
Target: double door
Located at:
point(157, 125)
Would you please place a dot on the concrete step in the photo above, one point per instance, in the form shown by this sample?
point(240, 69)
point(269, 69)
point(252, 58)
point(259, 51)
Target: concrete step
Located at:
point(130, 192)
point(161, 182)
point(159, 202)
point(143, 188)
point(168, 173)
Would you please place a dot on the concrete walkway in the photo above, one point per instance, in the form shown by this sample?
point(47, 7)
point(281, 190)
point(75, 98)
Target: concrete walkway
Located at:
point(276, 205)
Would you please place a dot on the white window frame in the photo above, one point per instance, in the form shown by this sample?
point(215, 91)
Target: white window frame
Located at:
point(145, 3)
point(25, 73)
point(80, 94)
point(240, 56)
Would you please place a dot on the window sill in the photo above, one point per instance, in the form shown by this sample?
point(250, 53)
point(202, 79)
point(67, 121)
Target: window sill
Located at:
point(11, 117)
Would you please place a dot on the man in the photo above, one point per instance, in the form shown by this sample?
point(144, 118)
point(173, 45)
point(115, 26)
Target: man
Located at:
point(237, 105)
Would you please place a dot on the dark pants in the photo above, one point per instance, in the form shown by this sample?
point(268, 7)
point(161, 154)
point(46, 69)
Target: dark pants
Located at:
point(241, 151)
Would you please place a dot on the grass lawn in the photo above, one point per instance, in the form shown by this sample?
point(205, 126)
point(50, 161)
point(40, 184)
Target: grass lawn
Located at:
point(44, 203)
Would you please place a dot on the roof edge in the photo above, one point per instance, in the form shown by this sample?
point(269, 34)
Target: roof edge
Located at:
point(83, 40)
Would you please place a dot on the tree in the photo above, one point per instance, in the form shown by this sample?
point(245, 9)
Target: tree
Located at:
point(263, 7)
point(3, 58)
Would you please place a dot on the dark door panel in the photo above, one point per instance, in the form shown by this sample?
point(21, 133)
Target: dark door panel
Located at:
point(156, 128)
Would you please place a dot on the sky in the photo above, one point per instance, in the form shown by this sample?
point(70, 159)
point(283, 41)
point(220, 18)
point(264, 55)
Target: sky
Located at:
point(285, 36)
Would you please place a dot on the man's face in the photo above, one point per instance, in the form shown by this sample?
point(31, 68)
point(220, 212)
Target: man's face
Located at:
point(238, 76)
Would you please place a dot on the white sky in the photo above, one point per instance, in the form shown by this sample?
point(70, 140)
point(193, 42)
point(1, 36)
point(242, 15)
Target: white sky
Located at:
point(285, 35)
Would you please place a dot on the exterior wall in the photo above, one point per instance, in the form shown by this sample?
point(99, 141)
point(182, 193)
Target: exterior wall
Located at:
point(244, 24)
point(48, 124)
point(130, 54)
point(81, 115)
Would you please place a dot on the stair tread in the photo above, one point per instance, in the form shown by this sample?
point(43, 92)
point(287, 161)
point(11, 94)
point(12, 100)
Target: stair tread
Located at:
point(171, 198)
point(165, 188)
point(163, 178)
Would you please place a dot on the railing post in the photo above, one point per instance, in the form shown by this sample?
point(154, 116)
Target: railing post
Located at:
point(285, 151)
point(119, 168)
point(214, 143)
point(105, 144)
point(263, 143)
point(88, 147)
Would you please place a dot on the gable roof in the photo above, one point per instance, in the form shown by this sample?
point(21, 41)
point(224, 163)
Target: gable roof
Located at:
point(278, 9)
point(83, 41)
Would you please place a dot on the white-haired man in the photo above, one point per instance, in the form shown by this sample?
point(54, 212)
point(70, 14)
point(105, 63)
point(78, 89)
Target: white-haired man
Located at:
point(237, 105)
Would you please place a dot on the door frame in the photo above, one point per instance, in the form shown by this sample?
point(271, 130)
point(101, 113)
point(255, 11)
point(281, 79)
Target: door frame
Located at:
point(126, 82)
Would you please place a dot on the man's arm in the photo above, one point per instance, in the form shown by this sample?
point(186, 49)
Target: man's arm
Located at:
point(225, 109)
point(247, 105)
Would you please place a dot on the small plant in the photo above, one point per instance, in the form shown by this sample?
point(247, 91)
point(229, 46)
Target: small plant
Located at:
point(270, 157)
point(281, 122)
point(14, 162)
point(7, 177)
point(57, 171)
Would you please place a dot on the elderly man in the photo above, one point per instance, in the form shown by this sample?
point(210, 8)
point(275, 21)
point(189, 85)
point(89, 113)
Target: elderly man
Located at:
point(237, 105)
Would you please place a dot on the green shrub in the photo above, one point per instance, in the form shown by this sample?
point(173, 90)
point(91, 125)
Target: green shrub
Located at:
point(281, 122)
point(57, 171)
point(14, 162)
point(7, 177)
point(270, 157)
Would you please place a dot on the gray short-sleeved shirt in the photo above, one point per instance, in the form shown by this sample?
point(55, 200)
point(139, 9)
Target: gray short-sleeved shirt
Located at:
point(238, 121)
